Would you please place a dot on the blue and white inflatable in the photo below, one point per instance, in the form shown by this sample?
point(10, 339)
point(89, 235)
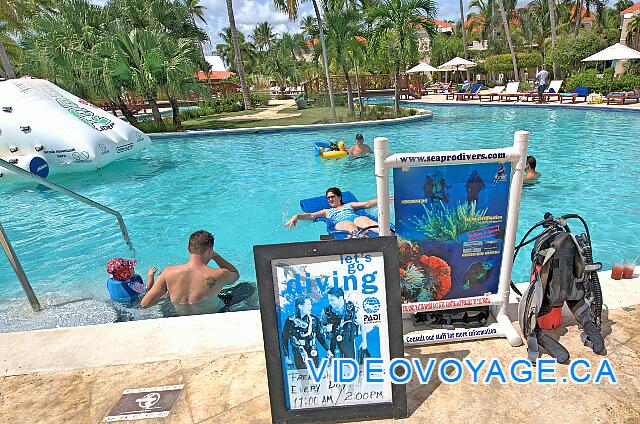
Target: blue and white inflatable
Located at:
point(47, 130)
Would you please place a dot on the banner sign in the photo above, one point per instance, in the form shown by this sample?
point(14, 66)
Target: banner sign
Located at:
point(450, 221)
point(329, 306)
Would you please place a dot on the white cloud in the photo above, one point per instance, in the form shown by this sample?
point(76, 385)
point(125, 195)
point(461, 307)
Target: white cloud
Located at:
point(247, 14)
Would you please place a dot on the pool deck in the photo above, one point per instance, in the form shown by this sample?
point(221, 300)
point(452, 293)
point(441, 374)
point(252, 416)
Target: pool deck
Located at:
point(441, 99)
point(75, 375)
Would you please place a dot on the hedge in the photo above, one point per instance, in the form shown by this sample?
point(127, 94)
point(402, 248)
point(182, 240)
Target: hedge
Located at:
point(597, 84)
point(503, 63)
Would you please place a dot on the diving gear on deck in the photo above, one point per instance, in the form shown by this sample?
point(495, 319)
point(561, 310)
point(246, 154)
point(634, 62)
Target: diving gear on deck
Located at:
point(562, 271)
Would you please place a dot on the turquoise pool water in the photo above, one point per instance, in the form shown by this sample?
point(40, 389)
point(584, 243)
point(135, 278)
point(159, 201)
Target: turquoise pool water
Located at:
point(242, 188)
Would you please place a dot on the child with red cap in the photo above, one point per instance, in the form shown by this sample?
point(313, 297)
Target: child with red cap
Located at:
point(125, 285)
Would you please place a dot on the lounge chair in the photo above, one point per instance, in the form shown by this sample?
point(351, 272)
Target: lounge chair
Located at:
point(510, 92)
point(578, 92)
point(491, 94)
point(315, 204)
point(438, 88)
point(471, 94)
point(553, 91)
point(451, 95)
point(621, 98)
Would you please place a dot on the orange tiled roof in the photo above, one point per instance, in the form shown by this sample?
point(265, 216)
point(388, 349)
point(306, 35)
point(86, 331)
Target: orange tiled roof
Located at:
point(631, 9)
point(217, 75)
point(475, 23)
point(437, 23)
point(583, 14)
point(442, 24)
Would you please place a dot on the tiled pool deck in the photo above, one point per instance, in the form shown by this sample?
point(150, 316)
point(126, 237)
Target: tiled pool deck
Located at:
point(75, 375)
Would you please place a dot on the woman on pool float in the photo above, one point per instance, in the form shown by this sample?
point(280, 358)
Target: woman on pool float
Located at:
point(342, 215)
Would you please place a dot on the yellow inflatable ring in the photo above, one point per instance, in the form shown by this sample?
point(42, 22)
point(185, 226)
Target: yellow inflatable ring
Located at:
point(334, 154)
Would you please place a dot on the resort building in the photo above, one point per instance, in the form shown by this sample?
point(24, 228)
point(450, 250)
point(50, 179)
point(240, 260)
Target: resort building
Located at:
point(626, 16)
point(217, 70)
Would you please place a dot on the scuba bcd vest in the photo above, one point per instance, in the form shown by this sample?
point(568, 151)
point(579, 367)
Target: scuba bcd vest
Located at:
point(562, 270)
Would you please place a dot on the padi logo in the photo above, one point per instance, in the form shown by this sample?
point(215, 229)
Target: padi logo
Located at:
point(371, 318)
point(124, 148)
point(99, 123)
point(371, 305)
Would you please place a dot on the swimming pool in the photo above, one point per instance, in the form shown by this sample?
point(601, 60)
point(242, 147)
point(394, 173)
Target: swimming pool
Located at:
point(242, 187)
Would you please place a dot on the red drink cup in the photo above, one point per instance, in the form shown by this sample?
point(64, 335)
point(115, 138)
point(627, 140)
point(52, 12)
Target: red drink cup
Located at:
point(628, 270)
point(617, 271)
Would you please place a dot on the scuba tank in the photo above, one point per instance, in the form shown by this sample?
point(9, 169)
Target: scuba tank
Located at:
point(562, 270)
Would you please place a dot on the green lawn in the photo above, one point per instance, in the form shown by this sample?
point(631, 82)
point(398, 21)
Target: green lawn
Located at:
point(316, 115)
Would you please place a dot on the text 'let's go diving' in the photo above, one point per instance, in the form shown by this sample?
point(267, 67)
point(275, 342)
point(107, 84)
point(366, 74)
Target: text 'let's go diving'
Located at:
point(452, 370)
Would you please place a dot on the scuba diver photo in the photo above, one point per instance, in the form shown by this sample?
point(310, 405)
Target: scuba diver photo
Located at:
point(330, 307)
point(450, 229)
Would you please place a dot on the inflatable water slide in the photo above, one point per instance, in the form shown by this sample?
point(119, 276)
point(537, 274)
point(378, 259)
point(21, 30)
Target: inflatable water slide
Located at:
point(47, 130)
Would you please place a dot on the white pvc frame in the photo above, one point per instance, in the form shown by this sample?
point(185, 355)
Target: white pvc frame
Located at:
point(517, 155)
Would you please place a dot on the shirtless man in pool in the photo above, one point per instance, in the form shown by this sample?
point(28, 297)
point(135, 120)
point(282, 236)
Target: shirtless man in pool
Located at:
point(342, 215)
point(193, 287)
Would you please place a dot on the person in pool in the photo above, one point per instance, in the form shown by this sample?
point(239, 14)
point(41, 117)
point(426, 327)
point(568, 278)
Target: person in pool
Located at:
point(342, 215)
point(125, 285)
point(531, 174)
point(193, 287)
point(359, 149)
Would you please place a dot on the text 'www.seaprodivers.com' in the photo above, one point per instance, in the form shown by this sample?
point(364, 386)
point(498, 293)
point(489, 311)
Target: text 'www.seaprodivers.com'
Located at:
point(452, 370)
point(447, 158)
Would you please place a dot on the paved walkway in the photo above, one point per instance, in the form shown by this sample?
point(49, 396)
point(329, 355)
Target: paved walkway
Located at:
point(76, 375)
point(273, 112)
point(233, 388)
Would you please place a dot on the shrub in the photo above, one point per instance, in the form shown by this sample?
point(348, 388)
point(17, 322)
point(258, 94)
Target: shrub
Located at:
point(503, 63)
point(152, 126)
point(601, 84)
point(570, 51)
point(322, 100)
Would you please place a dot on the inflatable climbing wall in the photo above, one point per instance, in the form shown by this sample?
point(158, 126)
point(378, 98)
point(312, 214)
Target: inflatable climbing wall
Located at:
point(46, 130)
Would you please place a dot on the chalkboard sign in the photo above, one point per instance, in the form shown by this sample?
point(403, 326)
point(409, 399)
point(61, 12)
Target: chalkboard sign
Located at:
point(328, 308)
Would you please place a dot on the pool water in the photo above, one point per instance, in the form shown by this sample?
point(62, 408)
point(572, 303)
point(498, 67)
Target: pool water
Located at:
point(243, 187)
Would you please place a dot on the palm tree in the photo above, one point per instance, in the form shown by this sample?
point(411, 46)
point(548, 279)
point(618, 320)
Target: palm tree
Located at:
point(505, 23)
point(14, 16)
point(623, 4)
point(296, 46)
point(309, 27)
point(399, 20)
point(226, 52)
point(196, 10)
point(633, 32)
point(464, 34)
point(343, 35)
point(176, 72)
point(139, 50)
point(263, 35)
point(238, 55)
point(552, 23)
point(291, 8)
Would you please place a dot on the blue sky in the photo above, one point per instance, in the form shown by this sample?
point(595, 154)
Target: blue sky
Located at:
point(249, 12)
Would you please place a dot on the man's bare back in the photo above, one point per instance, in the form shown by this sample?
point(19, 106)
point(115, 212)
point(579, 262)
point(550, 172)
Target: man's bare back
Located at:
point(190, 284)
point(194, 281)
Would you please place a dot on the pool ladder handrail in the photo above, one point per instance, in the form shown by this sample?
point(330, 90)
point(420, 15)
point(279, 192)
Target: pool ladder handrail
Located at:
point(15, 263)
